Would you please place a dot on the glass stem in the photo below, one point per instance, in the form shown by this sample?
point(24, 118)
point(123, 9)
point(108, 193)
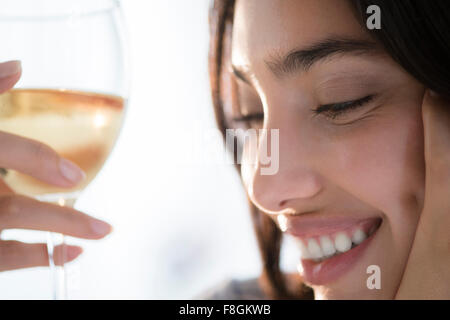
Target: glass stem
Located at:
point(57, 271)
point(57, 268)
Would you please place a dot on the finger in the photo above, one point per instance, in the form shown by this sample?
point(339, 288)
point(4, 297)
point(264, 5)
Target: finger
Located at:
point(436, 121)
point(17, 255)
point(9, 74)
point(434, 222)
point(19, 212)
point(37, 160)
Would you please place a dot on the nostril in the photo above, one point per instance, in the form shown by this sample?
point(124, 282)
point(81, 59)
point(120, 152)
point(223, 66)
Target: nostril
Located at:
point(282, 203)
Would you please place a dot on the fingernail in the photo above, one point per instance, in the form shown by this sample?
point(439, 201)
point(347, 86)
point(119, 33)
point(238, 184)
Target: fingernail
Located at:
point(10, 68)
point(72, 252)
point(100, 228)
point(71, 171)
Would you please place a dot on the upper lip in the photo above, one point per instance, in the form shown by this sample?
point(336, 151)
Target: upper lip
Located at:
point(305, 226)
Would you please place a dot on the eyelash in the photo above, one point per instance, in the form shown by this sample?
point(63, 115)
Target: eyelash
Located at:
point(250, 117)
point(332, 110)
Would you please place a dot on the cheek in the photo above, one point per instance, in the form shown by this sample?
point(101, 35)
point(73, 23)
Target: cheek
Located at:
point(382, 164)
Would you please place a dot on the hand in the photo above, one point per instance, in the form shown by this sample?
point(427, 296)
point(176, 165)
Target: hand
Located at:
point(427, 274)
point(20, 212)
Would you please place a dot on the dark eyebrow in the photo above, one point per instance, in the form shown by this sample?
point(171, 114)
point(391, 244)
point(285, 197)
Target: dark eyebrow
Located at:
point(304, 59)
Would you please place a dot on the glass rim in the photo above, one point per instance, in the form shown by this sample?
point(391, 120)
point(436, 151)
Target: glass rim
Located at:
point(65, 13)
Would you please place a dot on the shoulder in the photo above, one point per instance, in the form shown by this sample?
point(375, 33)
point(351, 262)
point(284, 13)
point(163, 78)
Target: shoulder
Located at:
point(233, 289)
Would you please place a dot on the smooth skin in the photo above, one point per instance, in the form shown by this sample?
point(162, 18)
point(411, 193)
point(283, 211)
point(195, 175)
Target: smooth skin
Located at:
point(426, 275)
point(20, 212)
point(389, 158)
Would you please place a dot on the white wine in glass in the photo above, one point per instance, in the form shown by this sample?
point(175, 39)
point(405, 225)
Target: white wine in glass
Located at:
point(72, 94)
point(81, 126)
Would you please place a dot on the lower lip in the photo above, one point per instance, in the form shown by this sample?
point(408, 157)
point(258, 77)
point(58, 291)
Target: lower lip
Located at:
point(327, 271)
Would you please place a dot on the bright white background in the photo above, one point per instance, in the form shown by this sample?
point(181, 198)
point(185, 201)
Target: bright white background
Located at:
point(179, 227)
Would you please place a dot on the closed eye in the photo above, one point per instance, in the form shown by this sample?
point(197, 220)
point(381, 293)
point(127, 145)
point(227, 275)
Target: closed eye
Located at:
point(334, 110)
point(250, 117)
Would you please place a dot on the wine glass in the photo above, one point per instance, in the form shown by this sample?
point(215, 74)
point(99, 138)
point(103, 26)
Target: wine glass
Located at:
point(72, 94)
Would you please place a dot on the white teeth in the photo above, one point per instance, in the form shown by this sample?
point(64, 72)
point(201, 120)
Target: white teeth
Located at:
point(324, 247)
point(342, 242)
point(327, 245)
point(358, 236)
point(314, 249)
point(304, 254)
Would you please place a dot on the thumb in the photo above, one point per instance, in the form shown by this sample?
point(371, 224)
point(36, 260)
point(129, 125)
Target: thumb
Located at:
point(436, 121)
point(9, 74)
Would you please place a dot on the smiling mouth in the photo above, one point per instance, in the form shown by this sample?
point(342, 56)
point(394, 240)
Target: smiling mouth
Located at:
point(325, 246)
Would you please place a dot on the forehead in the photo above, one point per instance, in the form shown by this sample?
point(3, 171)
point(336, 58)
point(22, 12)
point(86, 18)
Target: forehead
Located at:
point(265, 28)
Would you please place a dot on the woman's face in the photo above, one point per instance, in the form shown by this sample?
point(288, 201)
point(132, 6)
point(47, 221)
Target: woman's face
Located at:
point(356, 161)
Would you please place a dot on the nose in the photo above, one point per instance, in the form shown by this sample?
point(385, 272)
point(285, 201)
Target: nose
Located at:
point(295, 182)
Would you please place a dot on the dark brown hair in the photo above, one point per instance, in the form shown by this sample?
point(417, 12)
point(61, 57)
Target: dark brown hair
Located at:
point(416, 33)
